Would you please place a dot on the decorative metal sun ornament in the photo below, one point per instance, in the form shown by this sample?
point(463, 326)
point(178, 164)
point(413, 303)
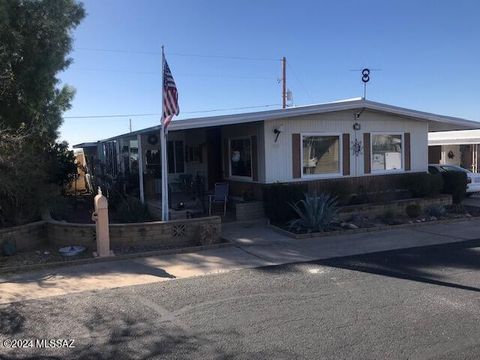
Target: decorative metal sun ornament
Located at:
point(356, 147)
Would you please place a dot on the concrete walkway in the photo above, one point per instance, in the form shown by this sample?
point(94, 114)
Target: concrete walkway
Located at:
point(254, 245)
point(268, 245)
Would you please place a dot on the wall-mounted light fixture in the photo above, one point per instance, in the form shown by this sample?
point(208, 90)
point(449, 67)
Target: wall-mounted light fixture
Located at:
point(356, 126)
point(277, 131)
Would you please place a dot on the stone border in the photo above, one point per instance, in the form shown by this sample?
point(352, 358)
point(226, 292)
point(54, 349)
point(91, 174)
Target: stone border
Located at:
point(179, 250)
point(363, 230)
point(397, 206)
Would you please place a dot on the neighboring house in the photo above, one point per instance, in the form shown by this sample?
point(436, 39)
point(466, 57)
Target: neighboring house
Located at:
point(81, 183)
point(455, 148)
point(354, 138)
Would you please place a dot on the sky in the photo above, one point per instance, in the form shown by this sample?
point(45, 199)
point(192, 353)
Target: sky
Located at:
point(225, 55)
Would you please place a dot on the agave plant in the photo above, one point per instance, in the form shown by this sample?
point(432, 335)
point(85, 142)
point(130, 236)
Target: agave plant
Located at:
point(316, 213)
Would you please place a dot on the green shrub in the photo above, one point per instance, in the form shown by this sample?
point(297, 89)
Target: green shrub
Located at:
point(276, 198)
point(360, 196)
point(248, 194)
point(316, 213)
point(388, 216)
point(436, 210)
point(456, 209)
point(131, 210)
point(60, 208)
point(413, 210)
point(455, 184)
point(423, 184)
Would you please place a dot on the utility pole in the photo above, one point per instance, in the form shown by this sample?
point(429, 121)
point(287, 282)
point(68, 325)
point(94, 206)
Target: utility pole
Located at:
point(284, 82)
point(130, 124)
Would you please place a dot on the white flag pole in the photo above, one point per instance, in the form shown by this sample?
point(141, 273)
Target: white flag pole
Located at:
point(163, 145)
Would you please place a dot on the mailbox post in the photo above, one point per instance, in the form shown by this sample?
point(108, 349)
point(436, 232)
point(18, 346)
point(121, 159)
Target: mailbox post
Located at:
point(100, 216)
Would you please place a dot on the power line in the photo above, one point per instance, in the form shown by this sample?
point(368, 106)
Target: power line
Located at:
point(300, 82)
point(158, 114)
point(225, 57)
point(119, 51)
point(238, 108)
point(176, 54)
point(158, 73)
point(109, 116)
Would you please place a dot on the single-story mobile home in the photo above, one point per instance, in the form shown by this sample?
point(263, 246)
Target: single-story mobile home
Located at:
point(355, 138)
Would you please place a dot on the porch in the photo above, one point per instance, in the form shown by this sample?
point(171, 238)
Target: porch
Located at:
point(197, 159)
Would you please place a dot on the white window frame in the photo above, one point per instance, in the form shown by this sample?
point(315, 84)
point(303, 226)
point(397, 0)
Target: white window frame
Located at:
point(238, 177)
point(340, 159)
point(402, 134)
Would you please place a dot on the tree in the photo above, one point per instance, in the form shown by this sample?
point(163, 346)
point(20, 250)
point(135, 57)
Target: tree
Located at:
point(35, 40)
point(62, 168)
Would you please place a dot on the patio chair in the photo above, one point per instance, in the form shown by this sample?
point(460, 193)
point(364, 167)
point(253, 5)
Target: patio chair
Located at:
point(220, 196)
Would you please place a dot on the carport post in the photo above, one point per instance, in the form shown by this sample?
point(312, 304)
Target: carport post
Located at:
point(140, 168)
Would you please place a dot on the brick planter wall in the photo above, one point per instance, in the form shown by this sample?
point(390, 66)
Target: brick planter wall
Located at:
point(249, 210)
point(26, 237)
point(65, 234)
point(397, 206)
point(184, 232)
point(187, 232)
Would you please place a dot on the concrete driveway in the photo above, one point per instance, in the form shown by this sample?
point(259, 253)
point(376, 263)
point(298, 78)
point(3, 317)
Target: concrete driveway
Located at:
point(418, 303)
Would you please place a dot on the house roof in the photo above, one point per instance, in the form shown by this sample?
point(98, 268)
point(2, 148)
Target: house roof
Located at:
point(454, 137)
point(85, 145)
point(436, 122)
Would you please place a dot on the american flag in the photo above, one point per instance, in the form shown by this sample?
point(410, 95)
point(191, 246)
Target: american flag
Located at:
point(170, 96)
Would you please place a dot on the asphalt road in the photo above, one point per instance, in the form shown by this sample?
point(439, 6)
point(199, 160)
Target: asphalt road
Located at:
point(410, 304)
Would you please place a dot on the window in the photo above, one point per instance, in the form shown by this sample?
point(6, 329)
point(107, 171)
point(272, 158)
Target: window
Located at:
point(176, 158)
point(241, 157)
point(321, 154)
point(386, 152)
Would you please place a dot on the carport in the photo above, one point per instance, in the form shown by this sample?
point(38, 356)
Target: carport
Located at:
point(455, 148)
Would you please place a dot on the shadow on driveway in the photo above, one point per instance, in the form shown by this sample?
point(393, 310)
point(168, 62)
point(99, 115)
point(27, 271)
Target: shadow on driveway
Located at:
point(429, 264)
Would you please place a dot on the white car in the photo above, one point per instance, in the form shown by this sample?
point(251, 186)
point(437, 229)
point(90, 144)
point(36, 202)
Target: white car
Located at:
point(473, 179)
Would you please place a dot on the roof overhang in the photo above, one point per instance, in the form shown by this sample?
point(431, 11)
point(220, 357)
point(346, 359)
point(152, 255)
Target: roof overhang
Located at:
point(435, 122)
point(85, 145)
point(454, 138)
